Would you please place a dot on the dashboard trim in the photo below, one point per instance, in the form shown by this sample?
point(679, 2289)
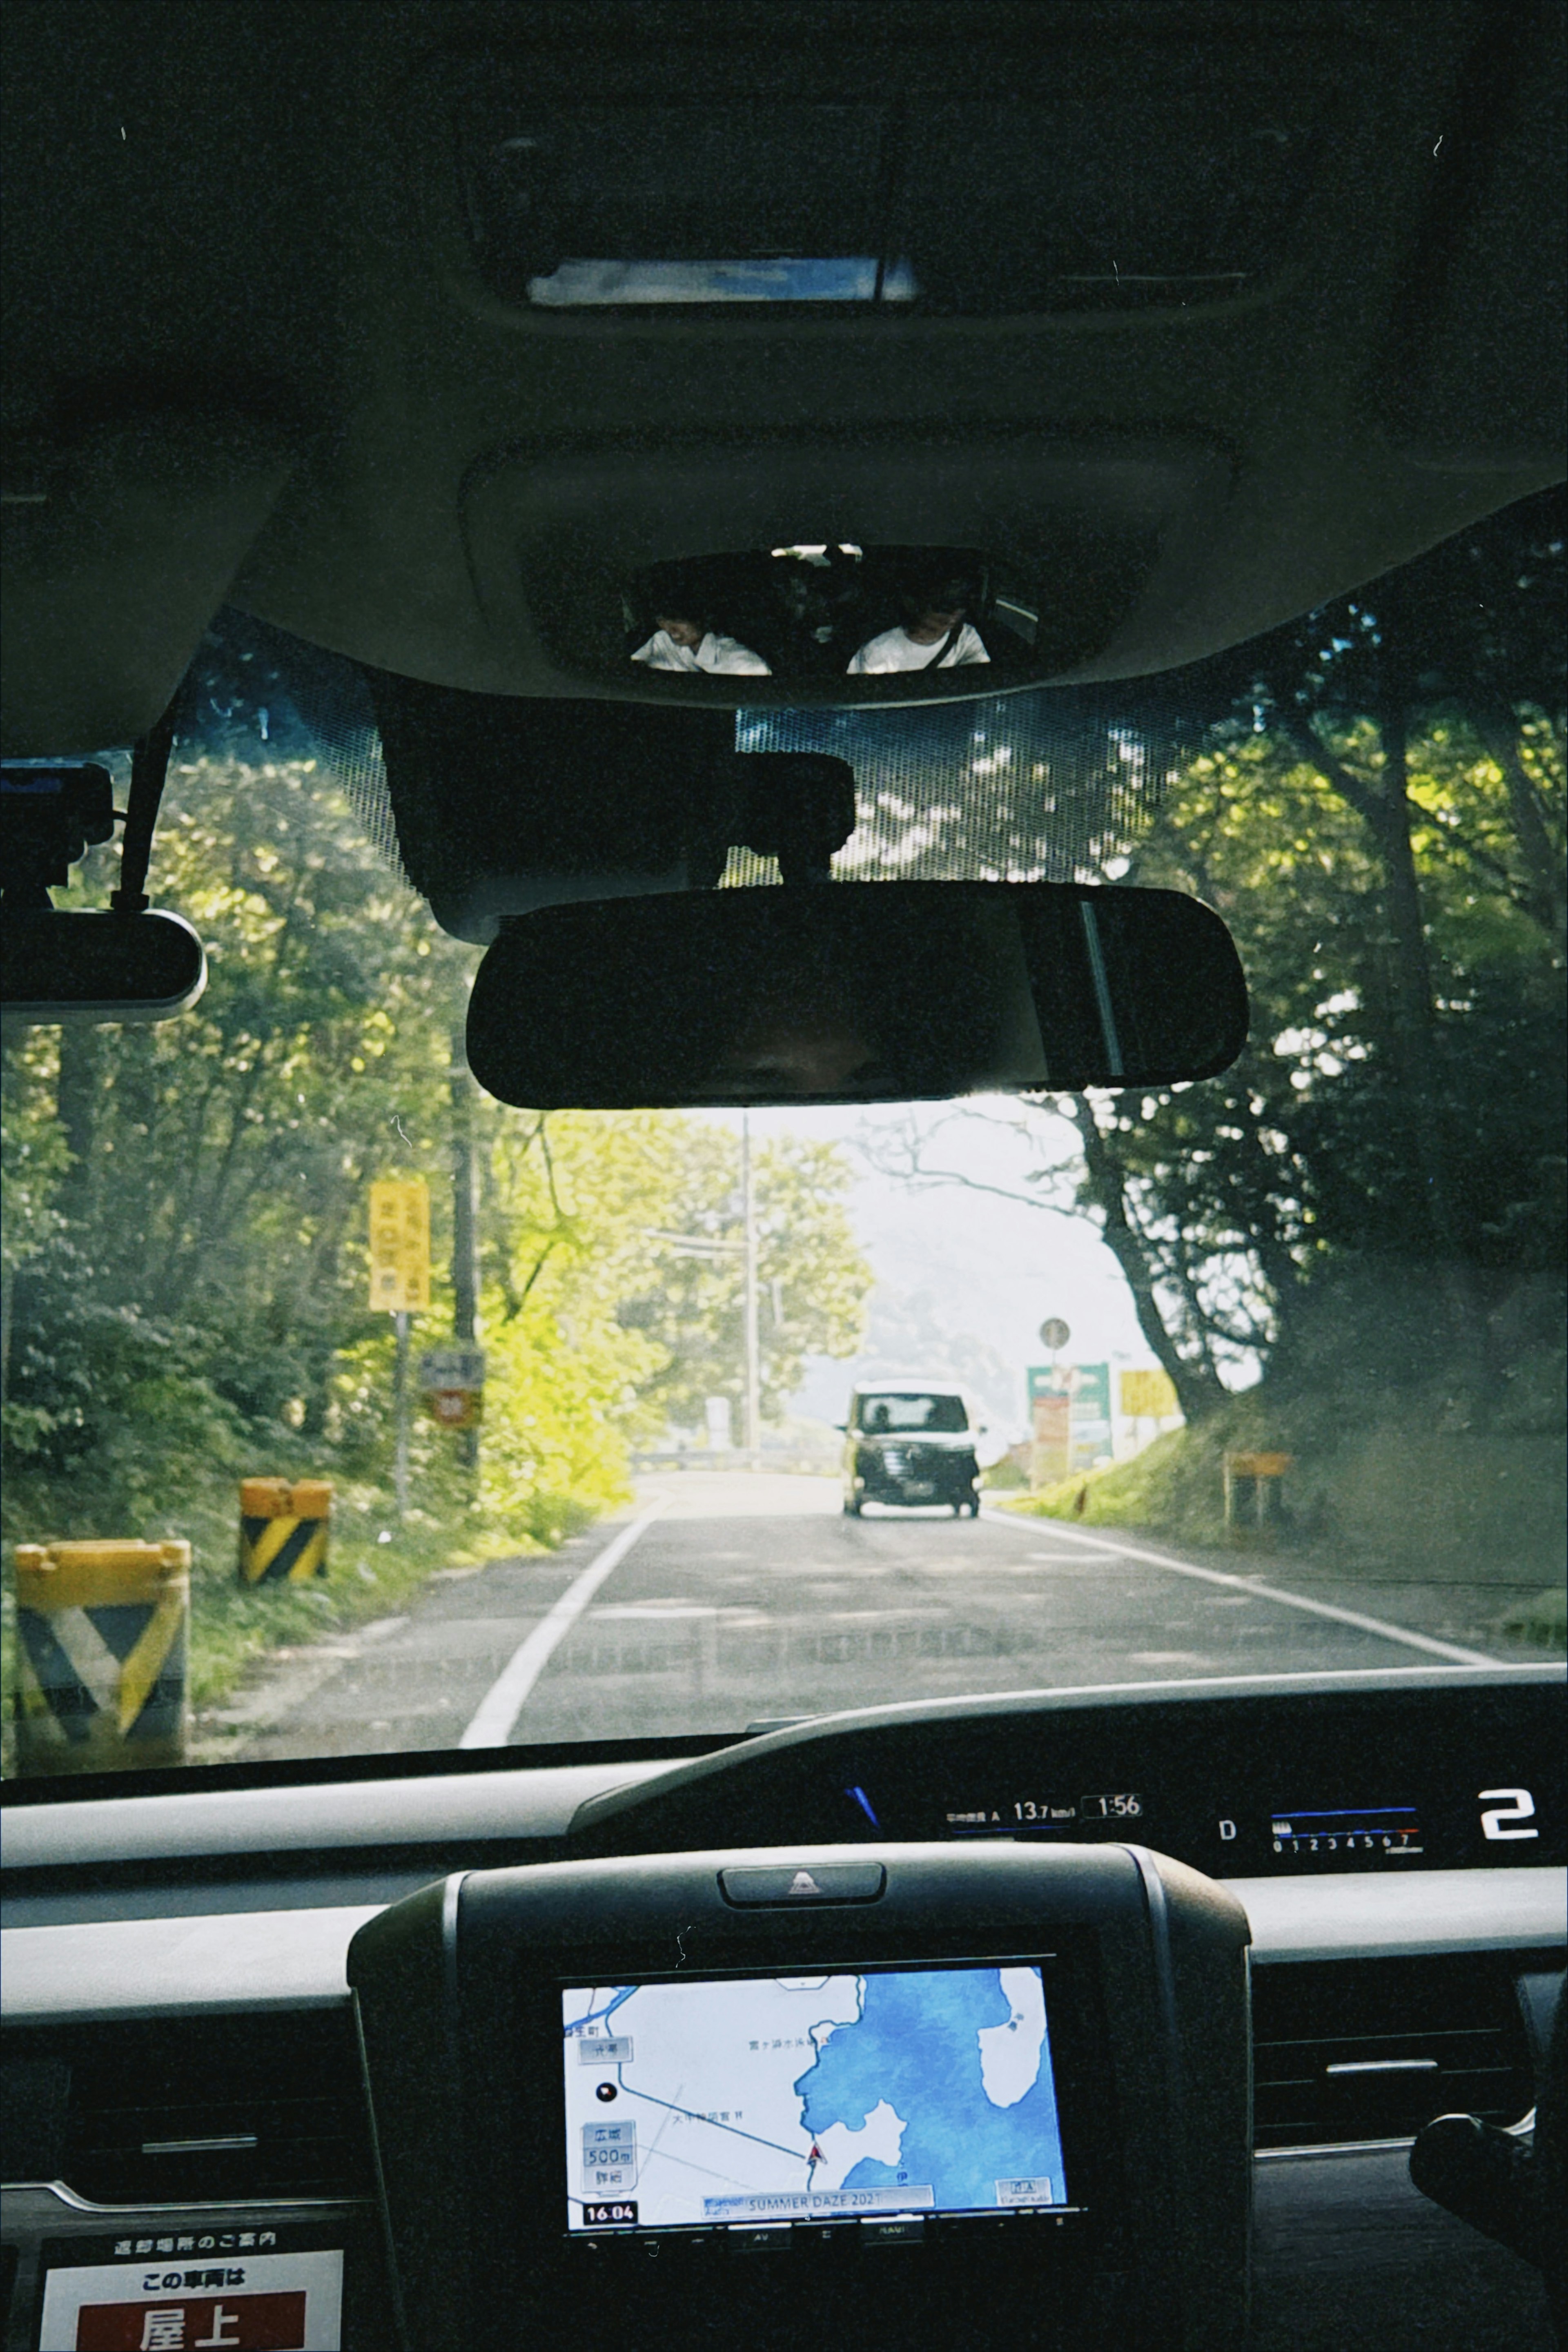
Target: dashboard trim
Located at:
point(540, 1802)
point(79, 2204)
point(419, 1811)
point(117, 1969)
point(1352, 1915)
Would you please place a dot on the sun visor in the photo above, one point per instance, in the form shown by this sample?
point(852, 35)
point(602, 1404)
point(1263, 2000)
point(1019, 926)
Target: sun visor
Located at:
point(929, 190)
point(121, 544)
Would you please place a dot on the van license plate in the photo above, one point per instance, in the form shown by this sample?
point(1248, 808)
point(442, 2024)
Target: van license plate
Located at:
point(921, 1486)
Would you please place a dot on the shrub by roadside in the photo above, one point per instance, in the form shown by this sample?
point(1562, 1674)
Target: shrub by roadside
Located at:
point(1543, 1621)
point(1399, 1494)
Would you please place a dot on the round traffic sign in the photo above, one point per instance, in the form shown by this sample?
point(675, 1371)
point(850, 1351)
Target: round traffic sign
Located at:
point(1055, 1333)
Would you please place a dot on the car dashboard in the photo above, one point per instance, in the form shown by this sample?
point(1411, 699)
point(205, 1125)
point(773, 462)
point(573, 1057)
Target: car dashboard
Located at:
point(295, 335)
point(180, 2040)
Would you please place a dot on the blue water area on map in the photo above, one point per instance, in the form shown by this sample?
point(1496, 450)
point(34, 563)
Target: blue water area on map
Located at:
point(916, 2047)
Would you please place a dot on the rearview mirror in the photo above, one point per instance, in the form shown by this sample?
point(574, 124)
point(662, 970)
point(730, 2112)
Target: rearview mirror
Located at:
point(99, 967)
point(879, 991)
point(817, 613)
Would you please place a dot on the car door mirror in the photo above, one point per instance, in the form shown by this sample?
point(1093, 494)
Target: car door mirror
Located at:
point(854, 993)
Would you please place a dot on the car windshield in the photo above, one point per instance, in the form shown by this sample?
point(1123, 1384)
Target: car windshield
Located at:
point(399, 1420)
point(900, 1409)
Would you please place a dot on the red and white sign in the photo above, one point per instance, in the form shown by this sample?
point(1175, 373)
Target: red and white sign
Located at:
point(267, 2302)
point(247, 2323)
point(453, 1379)
point(454, 1408)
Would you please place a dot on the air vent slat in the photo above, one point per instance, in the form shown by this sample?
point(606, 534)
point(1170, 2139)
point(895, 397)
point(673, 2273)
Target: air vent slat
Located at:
point(187, 2110)
point(1348, 2050)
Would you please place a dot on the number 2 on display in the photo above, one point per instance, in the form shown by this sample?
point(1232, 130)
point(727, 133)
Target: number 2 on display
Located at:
point(1508, 1806)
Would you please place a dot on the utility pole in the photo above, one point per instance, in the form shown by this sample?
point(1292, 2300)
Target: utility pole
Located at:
point(465, 1226)
point(400, 1413)
point(400, 1282)
point(753, 1394)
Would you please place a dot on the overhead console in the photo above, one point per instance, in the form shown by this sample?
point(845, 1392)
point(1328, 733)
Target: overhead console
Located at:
point(861, 194)
point(1157, 330)
point(785, 561)
point(888, 2089)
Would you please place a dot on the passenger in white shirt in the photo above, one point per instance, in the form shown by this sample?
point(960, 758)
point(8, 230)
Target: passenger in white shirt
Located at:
point(678, 644)
point(911, 646)
point(934, 634)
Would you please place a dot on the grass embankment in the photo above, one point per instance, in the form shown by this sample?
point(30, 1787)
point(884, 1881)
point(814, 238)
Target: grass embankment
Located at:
point(1397, 1498)
point(375, 1566)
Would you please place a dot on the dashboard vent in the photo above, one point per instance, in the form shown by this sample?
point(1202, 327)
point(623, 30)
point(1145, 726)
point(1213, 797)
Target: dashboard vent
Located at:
point(176, 2110)
point(1356, 2050)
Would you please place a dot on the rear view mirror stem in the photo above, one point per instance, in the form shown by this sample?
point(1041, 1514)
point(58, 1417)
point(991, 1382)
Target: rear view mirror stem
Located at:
point(149, 771)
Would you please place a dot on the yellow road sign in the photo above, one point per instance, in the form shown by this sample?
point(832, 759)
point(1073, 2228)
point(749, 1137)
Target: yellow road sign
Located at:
point(400, 1245)
point(1148, 1396)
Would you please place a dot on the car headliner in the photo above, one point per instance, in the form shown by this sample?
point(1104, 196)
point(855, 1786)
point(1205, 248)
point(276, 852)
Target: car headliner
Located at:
point(251, 354)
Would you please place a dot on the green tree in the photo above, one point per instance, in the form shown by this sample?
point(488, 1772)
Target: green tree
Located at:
point(196, 1261)
point(1378, 812)
point(185, 1273)
point(566, 1198)
point(813, 1280)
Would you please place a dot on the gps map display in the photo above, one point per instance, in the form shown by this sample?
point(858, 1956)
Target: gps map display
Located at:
point(809, 2099)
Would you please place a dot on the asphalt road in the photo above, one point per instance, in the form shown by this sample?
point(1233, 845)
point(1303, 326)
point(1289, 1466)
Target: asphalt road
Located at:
point(729, 1600)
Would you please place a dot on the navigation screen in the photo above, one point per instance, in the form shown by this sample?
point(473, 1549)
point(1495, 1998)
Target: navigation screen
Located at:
point(809, 2099)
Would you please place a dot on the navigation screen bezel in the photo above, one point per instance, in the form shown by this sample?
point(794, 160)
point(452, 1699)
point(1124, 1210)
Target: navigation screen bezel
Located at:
point(1080, 2057)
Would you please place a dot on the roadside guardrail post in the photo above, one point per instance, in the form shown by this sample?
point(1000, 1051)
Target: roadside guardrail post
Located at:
point(102, 1639)
point(283, 1530)
point(1254, 1492)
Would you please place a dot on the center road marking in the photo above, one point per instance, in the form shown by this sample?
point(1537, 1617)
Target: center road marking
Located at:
point(503, 1702)
point(1255, 1591)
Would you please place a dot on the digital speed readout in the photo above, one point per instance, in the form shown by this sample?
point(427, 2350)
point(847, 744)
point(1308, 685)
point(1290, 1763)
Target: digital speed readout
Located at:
point(1016, 1813)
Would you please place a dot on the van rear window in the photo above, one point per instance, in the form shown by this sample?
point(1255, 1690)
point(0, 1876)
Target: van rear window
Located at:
point(908, 1412)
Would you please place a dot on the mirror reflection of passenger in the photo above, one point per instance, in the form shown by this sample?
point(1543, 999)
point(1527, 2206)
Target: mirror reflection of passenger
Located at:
point(793, 1058)
point(935, 634)
point(792, 1032)
point(681, 643)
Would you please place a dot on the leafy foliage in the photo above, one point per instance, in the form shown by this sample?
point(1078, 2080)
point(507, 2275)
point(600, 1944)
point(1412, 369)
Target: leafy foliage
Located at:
point(812, 1280)
point(1376, 807)
point(185, 1276)
point(1381, 824)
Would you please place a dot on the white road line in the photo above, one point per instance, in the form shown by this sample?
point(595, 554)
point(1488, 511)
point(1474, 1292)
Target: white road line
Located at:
point(503, 1702)
point(1449, 1649)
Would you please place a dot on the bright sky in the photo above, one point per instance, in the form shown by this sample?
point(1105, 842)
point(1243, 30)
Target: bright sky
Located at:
point(993, 1269)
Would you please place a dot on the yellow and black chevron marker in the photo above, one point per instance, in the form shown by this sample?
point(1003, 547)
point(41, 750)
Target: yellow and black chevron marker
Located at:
point(101, 1641)
point(283, 1530)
